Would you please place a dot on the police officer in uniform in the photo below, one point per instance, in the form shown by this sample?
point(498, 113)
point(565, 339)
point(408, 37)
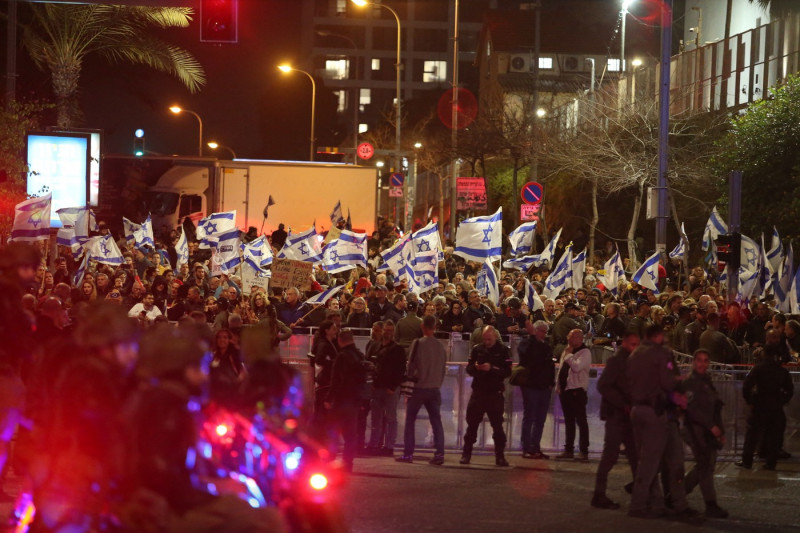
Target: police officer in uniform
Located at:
point(489, 365)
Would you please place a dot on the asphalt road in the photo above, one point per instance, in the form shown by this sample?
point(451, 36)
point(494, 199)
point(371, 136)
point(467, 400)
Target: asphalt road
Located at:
point(383, 496)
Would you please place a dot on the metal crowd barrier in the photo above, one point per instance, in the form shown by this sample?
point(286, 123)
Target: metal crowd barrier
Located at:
point(727, 379)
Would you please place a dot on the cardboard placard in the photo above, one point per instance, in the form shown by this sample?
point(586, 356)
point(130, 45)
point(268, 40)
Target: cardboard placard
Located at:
point(290, 273)
point(253, 278)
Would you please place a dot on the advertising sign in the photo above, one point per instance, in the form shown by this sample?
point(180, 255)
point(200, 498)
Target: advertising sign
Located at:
point(470, 193)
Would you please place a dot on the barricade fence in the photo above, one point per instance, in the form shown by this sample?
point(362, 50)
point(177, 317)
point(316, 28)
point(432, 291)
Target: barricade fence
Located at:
point(456, 389)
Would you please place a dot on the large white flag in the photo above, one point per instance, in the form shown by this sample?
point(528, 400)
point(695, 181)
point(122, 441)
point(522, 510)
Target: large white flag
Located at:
point(750, 251)
point(680, 250)
point(560, 278)
point(76, 223)
point(531, 299)
point(104, 250)
point(486, 282)
point(546, 257)
point(714, 228)
point(614, 273)
point(775, 252)
point(182, 251)
point(32, 219)
point(426, 252)
point(302, 247)
point(521, 239)
point(225, 252)
point(258, 253)
point(346, 252)
point(578, 269)
point(481, 238)
point(130, 228)
point(647, 275)
point(783, 285)
point(213, 225)
point(144, 235)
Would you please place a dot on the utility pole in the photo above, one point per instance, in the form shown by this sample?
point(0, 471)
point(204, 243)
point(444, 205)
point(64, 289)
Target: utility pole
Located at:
point(663, 130)
point(11, 54)
point(453, 136)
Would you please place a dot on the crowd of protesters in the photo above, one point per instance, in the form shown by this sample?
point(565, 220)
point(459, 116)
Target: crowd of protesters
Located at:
point(689, 315)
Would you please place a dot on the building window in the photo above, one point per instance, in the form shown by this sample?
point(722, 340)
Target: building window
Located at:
point(434, 71)
point(341, 98)
point(337, 69)
point(362, 128)
point(376, 63)
point(613, 65)
point(546, 63)
point(341, 6)
point(365, 98)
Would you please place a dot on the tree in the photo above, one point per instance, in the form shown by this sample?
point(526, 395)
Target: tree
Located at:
point(59, 37)
point(779, 8)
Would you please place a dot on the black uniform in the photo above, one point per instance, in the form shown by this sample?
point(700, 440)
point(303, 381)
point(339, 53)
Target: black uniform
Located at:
point(488, 388)
point(703, 412)
point(346, 393)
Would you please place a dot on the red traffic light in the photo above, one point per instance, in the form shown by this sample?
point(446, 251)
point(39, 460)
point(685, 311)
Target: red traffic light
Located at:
point(218, 21)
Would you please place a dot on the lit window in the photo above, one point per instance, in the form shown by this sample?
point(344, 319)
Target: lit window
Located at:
point(336, 69)
point(362, 128)
point(434, 71)
point(376, 64)
point(546, 63)
point(341, 98)
point(613, 65)
point(365, 98)
point(341, 6)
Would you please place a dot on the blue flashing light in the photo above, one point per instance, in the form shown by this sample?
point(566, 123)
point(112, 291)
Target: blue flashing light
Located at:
point(139, 133)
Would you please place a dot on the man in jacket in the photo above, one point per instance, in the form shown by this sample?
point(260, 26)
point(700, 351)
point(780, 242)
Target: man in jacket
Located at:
point(720, 348)
point(615, 411)
point(573, 386)
point(489, 365)
point(390, 368)
point(536, 355)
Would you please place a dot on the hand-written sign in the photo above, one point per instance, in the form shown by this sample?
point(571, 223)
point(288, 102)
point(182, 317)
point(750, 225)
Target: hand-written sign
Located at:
point(290, 273)
point(252, 278)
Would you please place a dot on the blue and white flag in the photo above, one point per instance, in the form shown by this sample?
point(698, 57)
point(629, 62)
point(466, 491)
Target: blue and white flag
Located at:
point(560, 278)
point(214, 224)
point(614, 273)
point(647, 275)
point(521, 263)
point(531, 299)
point(394, 257)
point(104, 250)
point(130, 228)
point(302, 247)
point(324, 296)
point(486, 282)
point(77, 279)
point(426, 252)
point(336, 214)
point(578, 269)
point(775, 252)
point(32, 219)
point(679, 252)
point(521, 239)
point(783, 286)
point(345, 253)
point(714, 228)
point(144, 235)
point(748, 284)
point(794, 294)
point(750, 252)
point(546, 257)
point(182, 251)
point(258, 253)
point(76, 222)
point(225, 251)
point(480, 238)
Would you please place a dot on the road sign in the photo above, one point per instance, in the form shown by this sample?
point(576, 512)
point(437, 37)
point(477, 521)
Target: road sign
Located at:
point(396, 179)
point(395, 192)
point(365, 151)
point(532, 193)
point(528, 212)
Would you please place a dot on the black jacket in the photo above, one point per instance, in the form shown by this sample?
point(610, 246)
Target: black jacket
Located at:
point(613, 386)
point(537, 357)
point(768, 386)
point(492, 381)
point(325, 353)
point(390, 366)
point(348, 376)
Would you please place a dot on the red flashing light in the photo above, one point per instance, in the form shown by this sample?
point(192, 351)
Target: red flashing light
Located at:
point(222, 430)
point(318, 481)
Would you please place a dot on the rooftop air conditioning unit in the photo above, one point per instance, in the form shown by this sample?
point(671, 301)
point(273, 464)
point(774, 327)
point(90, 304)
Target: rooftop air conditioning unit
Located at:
point(572, 64)
point(519, 63)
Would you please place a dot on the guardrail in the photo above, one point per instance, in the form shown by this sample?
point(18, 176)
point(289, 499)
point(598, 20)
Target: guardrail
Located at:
point(456, 391)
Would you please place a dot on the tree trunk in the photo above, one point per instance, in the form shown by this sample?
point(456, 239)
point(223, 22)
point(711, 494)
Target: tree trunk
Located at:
point(637, 207)
point(65, 76)
point(593, 225)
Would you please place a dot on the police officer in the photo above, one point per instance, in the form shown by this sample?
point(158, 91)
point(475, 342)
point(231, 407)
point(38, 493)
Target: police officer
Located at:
point(615, 410)
point(652, 380)
point(489, 365)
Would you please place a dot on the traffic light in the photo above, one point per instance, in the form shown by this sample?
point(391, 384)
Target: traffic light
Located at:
point(218, 21)
point(138, 142)
point(729, 249)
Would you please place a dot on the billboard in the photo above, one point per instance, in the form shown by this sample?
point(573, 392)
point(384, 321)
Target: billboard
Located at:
point(59, 163)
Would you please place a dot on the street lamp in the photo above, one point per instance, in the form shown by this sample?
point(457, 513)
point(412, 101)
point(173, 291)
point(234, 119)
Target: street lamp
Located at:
point(356, 89)
point(363, 3)
point(177, 110)
point(287, 69)
point(213, 145)
point(625, 5)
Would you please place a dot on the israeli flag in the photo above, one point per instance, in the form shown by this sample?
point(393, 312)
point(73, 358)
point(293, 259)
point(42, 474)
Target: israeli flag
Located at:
point(426, 252)
point(714, 228)
point(336, 214)
point(763, 279)
point(546, 257)
point(521, 239)
point(521, 263)
point(302, 247)
point(104, 250)
point(775, 252)
point(480, 238)
point(647, 275)
point(32, 219)
point(345, 253)
point(225, 251)
point(182, 250)
point(750, 252)
point(783, 286)
point(76, 222)
point(77, 279)
point(560, 278)
point(794, 294)
point(531, 299)
point(213, 225)
point(614, 273)
point(130, 228)
point(394, 256)
point(144, 235)
point(679, 252)
point(324, 296)
point(257, 254)
point(748, 283)
point(578, 269)
point(486, 282)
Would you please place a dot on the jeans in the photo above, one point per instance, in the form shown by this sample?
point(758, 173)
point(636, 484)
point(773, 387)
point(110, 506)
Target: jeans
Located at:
point(493, 405)
point(384, 418)
point(432, 400)
point(573, 403)
point(535, 403)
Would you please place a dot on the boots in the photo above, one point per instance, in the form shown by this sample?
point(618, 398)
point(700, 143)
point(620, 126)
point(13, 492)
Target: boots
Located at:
point(499, 455)
point(466, 454)
point(715, 511)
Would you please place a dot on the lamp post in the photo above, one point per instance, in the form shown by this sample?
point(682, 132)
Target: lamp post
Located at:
point(363, 3)
point(625, 5)
point(286, 69)
point(356, 90)
point(177, 110)
point(213, 145)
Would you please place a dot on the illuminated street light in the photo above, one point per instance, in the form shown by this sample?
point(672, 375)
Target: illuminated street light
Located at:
point(636, 62)
point(286, 69)
point(541, 112)
point(626, 4)
point(178, 110)
point(213, 145)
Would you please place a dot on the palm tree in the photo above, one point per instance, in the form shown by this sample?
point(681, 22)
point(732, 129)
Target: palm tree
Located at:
point(779, 8)
point(60, 36)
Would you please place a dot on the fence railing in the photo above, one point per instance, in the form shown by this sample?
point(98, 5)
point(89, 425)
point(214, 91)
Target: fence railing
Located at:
point(456, 391)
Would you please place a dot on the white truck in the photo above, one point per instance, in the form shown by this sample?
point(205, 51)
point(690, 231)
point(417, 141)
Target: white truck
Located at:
point(173, 188)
